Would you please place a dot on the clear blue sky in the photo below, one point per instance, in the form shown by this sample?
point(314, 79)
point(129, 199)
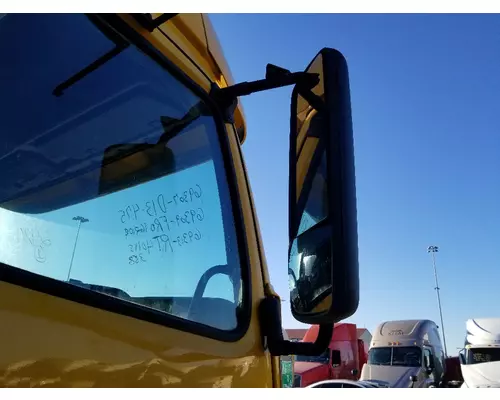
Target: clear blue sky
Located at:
point(426, 113)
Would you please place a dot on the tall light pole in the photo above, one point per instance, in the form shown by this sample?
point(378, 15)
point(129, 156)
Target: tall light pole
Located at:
point(433, 250)
point(81, 220)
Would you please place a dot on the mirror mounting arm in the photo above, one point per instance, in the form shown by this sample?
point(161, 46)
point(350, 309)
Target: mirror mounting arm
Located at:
point(270, 320)
point(276, 77)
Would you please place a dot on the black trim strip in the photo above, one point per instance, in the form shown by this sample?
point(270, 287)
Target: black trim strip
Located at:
point(292, 170)
point(185, 54)
point(148, 22)
point(102, 301)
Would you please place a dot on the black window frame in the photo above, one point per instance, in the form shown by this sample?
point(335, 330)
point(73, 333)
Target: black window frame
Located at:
point(86, 297)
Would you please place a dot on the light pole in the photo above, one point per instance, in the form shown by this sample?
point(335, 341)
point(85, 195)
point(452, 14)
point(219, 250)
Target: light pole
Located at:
point(433, 250)
point(80, 220)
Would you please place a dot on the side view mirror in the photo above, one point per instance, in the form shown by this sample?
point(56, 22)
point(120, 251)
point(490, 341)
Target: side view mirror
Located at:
point(323, 232)
point(335, 358)
point(354, 372)
point(323, 239)
point(413, 379)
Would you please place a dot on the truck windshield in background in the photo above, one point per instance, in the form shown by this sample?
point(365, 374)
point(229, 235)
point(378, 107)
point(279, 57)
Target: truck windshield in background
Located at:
point(323, 358)
point(164, 215)
point(478, 355)
point(396, 356)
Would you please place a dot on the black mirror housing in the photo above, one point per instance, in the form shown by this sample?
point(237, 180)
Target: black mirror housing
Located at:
point(323, 239)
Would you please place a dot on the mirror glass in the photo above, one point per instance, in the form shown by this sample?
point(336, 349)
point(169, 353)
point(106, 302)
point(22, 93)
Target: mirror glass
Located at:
point(323, 242)
point(310, 253)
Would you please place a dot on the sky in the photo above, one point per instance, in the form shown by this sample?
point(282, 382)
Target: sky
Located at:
point(424, 92)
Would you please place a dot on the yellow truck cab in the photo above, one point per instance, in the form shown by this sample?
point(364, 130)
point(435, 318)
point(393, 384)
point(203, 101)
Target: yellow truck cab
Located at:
point(130, 252)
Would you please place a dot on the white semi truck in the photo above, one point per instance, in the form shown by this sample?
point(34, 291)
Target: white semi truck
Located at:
point(407, 354)
point(480, 358)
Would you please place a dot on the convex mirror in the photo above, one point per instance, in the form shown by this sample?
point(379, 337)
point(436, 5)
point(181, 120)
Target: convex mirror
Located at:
point(323, 240)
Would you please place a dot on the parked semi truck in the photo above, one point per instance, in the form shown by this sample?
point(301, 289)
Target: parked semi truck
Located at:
point(130, 241)
point(480, 358)
point(406, 353)
point(343, 359)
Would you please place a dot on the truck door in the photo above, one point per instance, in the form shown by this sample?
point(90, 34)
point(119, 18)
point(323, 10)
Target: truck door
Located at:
point(122, 256)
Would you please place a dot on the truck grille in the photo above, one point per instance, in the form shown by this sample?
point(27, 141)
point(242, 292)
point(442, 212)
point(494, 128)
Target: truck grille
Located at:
point(297, 380)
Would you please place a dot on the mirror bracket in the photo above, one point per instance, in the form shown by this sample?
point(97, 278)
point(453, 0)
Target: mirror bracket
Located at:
point(270, 319)
point(276, 77)
point(226, 104)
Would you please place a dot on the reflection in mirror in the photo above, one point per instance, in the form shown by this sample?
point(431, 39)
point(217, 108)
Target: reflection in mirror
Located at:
point(323, 252)
point(310, 252)
point(310, 272)
point(316, 208)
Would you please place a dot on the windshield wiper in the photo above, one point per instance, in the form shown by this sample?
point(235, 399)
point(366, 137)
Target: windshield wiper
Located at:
point(120, 44)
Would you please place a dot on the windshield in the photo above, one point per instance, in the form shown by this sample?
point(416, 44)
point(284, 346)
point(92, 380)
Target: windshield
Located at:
point(115, 184)
point(324, 358)
point(480, 355)
point(396, 356)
